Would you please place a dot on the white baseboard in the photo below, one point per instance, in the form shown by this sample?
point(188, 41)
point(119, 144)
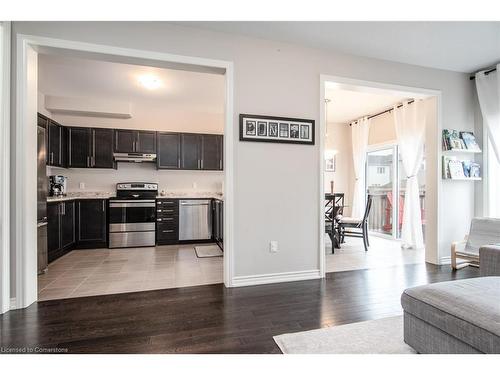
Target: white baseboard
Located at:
point(271, 278)
point(445, 260)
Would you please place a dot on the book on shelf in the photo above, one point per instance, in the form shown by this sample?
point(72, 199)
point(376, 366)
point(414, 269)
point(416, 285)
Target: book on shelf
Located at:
point(470, 141)
point(454, 140)
point(460, 169)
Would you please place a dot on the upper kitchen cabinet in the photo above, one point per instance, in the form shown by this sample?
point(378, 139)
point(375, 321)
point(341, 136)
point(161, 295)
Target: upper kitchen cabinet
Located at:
point(57, 146)
point(79, 147)
point(90, 147)
point(211, 152)
point(102, 148)
point(146, 142)
point(169, 151)
point(127, 141)
point(190, 151)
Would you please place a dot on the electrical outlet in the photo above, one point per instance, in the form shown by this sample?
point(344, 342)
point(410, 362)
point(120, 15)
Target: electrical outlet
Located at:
point(82, 185)
point(273, 246)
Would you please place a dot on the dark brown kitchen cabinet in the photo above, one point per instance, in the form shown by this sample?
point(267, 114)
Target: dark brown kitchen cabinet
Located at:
point(190, 151)
point(211, 152)
point(53, 231)
point(218, 222)
point(57, 145)
point(90, 147)
point(146, 142)
point(201, 151)
point(167, 221)
point(127, 141)
point(92, 230)
point(102, 148)
point(79, 147)
point(60, 229)
point(169, 151)
point(68, 236)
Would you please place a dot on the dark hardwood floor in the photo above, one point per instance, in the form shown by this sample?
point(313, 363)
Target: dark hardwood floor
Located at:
point(213, 319)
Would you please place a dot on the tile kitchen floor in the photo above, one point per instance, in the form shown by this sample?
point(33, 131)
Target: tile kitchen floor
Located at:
point(108, 271)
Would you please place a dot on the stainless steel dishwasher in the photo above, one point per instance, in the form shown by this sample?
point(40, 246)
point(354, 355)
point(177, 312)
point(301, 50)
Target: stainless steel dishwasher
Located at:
point(195, 219)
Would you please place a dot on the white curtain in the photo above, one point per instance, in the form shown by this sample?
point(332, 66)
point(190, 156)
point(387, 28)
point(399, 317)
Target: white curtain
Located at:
point(360, 131)
point(488, 93)
point(410, 132)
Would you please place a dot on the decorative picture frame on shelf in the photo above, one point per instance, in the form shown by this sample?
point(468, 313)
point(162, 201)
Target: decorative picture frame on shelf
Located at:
point(257, 128)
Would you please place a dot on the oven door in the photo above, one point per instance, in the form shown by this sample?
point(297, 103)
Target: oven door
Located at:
point(132, 215)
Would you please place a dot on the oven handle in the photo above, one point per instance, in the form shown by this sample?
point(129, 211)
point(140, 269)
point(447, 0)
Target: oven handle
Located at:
point(125, 204)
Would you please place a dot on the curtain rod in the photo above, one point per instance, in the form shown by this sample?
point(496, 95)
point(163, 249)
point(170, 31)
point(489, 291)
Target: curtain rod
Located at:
point(486, 73)
point(381, 113)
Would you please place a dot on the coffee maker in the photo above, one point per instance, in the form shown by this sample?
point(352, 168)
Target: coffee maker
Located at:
point(57, 186)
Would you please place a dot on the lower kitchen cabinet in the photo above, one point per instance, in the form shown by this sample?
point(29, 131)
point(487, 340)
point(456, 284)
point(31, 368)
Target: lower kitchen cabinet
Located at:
point(92, 228)
point(60, 229)
point(167, 221)
point(218, 222)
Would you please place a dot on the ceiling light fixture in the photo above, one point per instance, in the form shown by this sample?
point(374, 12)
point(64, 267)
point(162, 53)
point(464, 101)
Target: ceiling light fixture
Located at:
point(150, 82)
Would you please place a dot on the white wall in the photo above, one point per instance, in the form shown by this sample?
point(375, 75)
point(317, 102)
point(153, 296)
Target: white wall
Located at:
point(339, 139)
point(382, 129)
point(276, 185)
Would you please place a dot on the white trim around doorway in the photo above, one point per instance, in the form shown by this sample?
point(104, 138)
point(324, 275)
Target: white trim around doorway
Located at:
point(5, 301)
point(345, 82)
point(25, 140)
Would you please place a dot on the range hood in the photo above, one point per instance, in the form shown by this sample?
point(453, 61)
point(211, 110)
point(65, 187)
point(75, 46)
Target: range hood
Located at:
point(134, 157)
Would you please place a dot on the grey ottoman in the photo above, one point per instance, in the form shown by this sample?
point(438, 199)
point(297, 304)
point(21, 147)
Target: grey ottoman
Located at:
point(461, 316)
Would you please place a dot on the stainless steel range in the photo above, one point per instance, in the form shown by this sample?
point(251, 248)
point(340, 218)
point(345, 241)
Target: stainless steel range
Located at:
point(132, 215)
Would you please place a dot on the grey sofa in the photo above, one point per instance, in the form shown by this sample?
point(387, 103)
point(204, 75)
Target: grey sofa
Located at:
point(456, 317)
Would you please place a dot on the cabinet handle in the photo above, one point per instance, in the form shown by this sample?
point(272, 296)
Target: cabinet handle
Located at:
point(169, 210)
point(103, 206)
point(93, 160)
point(168, 231)
point(51, 157)
point(168, 218)
point(220, 164)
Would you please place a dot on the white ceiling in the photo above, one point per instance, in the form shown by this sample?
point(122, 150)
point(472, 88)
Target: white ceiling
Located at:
point(457, 46)
point(82, 78)
point(347, 105)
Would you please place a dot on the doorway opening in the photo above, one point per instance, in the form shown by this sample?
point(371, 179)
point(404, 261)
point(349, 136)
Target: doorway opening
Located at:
point(380, 176)
point(87, 124)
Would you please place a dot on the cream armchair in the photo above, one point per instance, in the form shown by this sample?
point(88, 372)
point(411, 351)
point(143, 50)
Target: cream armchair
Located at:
point(483, 232)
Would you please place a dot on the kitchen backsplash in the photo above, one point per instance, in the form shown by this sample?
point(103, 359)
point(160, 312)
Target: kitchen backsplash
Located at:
point(170, 181)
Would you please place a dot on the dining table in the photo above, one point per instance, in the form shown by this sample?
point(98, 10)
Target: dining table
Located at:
point(334, 208)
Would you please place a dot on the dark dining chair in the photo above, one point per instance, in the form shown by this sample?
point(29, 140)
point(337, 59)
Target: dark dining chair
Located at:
point(355, 227)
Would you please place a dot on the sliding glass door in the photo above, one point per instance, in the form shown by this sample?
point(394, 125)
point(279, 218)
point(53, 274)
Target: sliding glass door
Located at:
point(386, 182)
point(380, 184)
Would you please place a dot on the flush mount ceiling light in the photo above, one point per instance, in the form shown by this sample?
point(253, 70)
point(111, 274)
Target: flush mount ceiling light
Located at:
point(150, 82)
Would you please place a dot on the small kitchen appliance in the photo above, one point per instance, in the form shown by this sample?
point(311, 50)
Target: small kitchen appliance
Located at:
point(57, 186)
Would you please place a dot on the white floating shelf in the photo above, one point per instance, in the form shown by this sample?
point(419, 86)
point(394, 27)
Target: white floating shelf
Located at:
point(464, 179)
point(451, 152)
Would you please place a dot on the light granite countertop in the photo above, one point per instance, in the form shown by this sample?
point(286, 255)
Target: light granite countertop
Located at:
point(108, 195)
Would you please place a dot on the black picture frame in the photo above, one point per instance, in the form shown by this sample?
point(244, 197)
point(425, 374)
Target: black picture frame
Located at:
point(298, 131)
